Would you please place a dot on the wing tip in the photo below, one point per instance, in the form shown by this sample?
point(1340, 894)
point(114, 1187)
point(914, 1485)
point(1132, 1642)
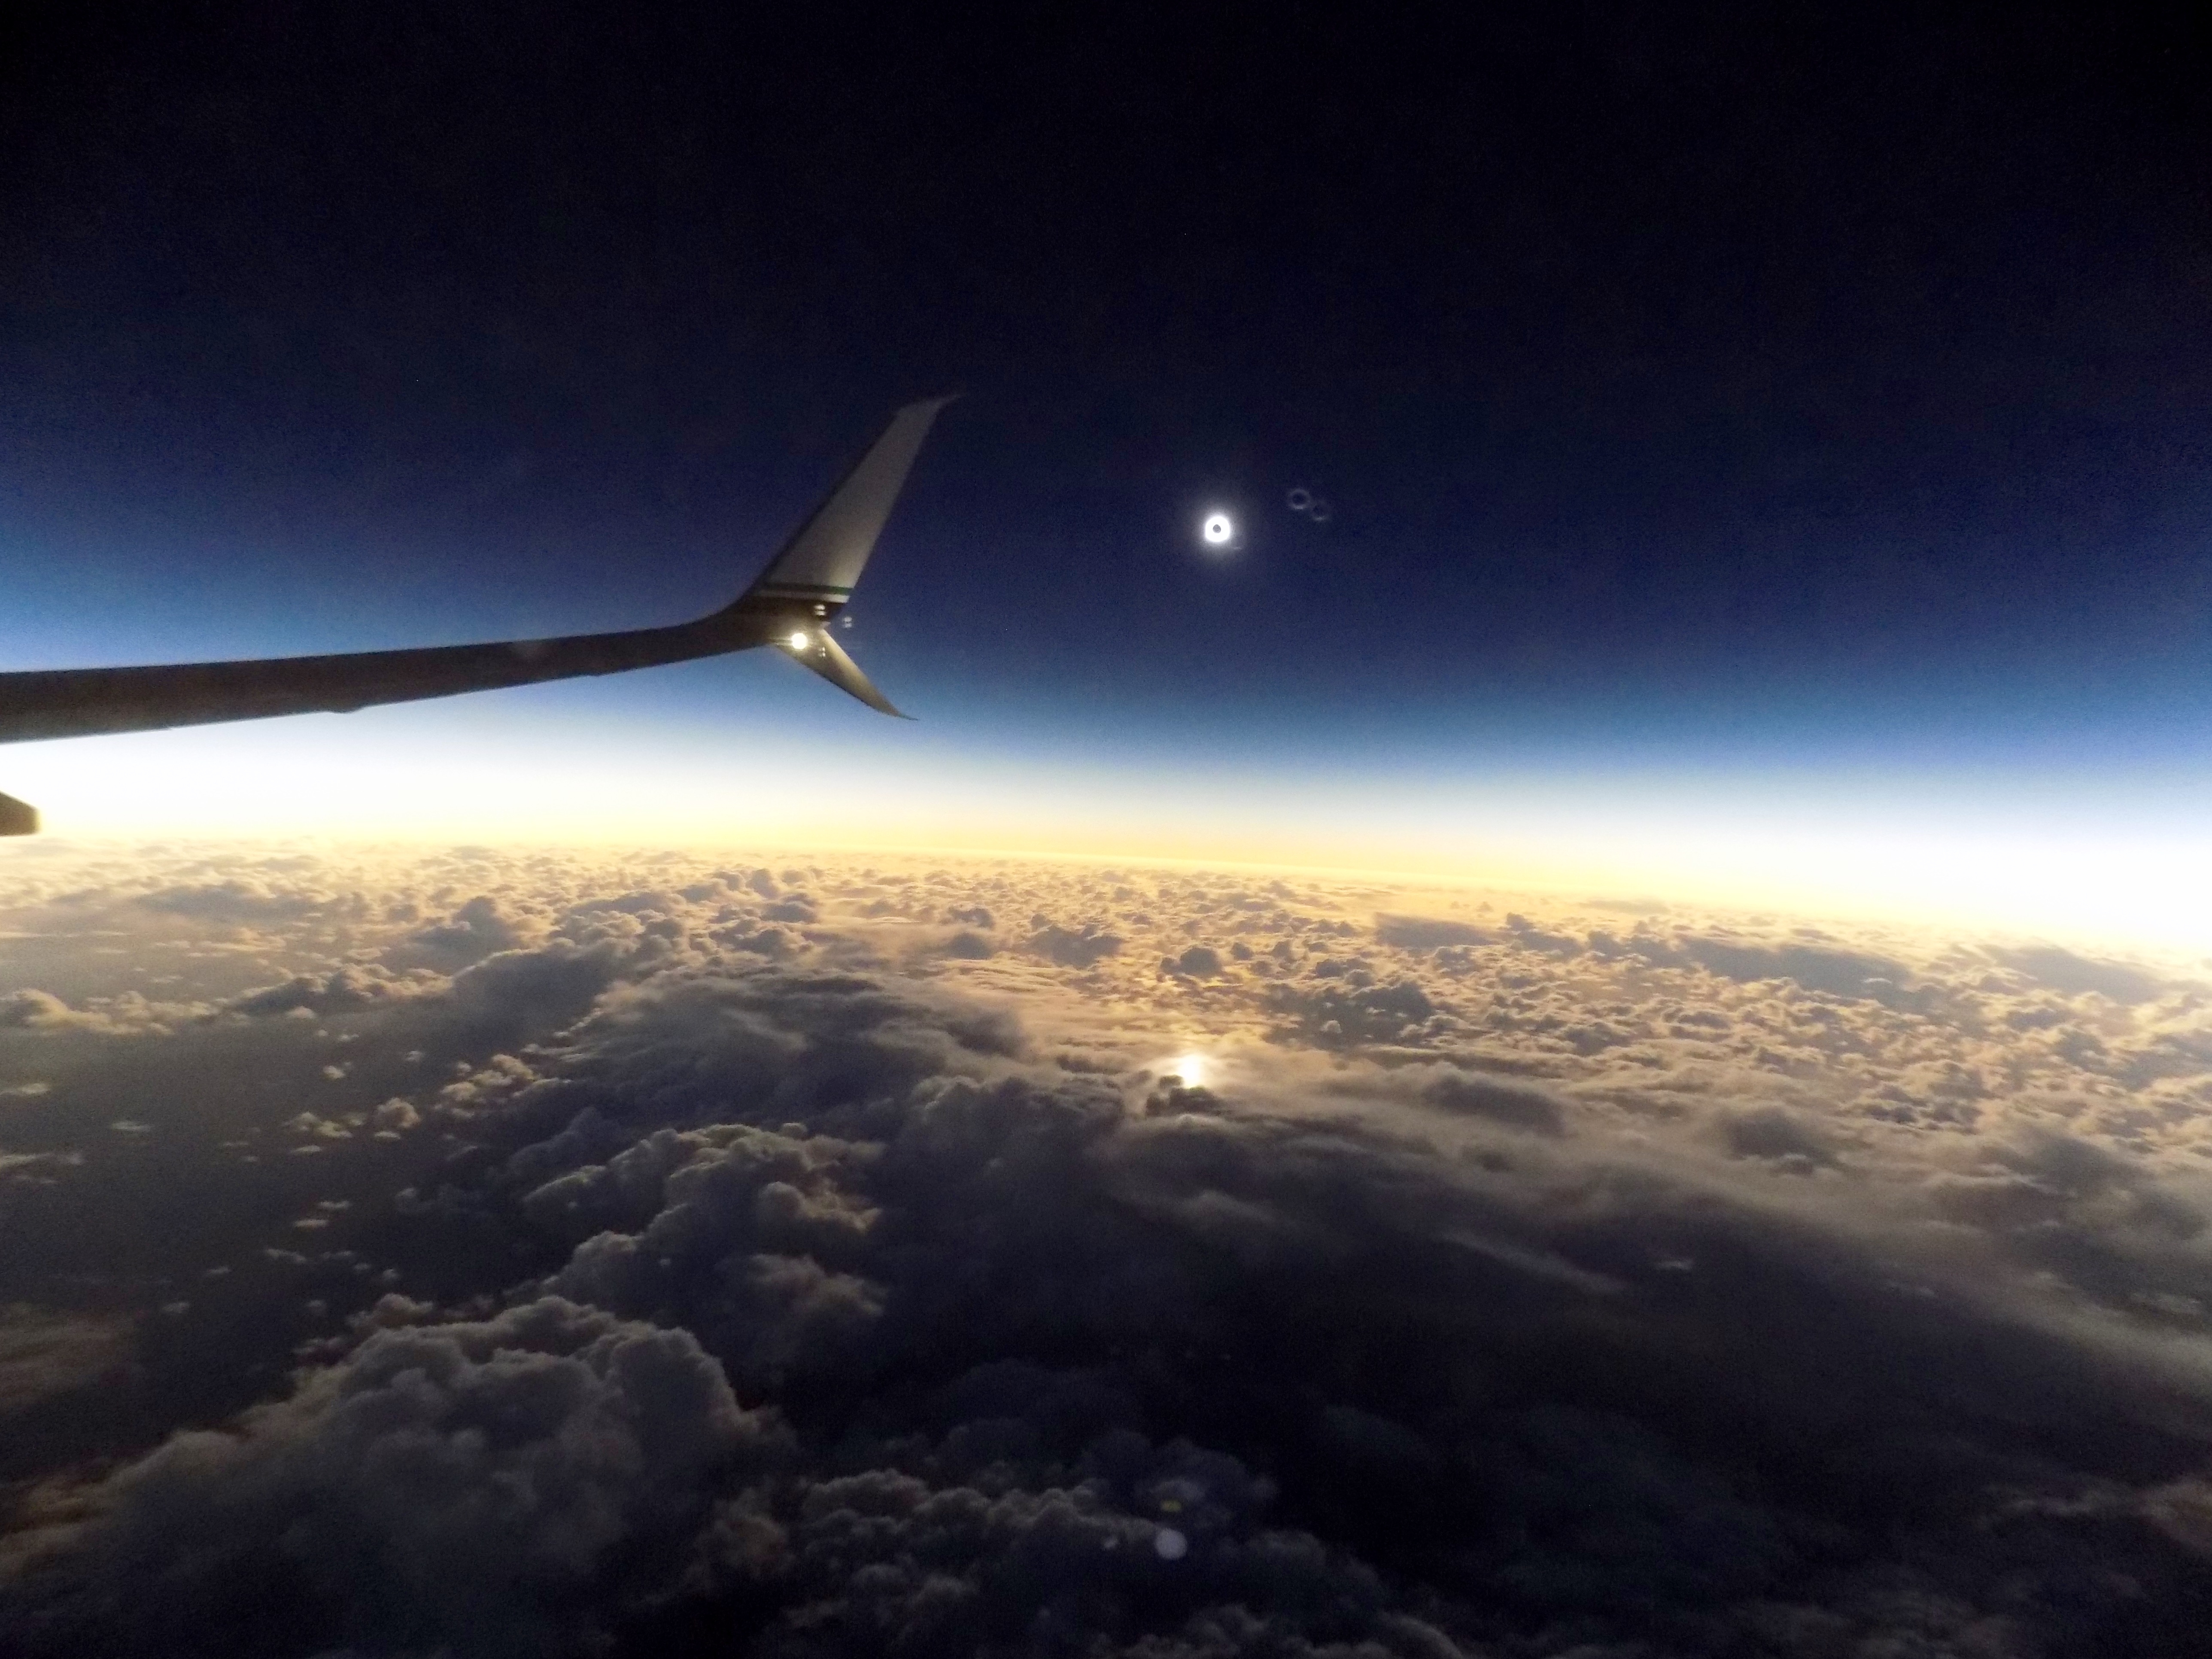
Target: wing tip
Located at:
point(926, 409)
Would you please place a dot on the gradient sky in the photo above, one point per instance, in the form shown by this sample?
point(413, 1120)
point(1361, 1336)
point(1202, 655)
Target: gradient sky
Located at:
point(1769, 458)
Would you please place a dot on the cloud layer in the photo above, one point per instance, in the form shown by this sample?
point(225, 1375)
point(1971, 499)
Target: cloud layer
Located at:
point(529, 1254)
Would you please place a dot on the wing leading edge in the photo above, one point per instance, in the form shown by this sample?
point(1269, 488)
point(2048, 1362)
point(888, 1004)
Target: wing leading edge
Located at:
point(791, 605)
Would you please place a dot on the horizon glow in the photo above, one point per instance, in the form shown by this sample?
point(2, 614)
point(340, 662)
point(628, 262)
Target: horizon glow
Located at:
point(2116, 860)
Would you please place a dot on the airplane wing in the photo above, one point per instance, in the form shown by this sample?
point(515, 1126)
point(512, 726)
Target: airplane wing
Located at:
point(791, 605)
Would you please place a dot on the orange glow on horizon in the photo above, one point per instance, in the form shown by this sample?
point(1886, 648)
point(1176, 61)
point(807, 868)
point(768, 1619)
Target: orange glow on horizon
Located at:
point(1738, 848)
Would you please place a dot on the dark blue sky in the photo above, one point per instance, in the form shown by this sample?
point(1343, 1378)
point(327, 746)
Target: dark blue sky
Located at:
point(1681, 386)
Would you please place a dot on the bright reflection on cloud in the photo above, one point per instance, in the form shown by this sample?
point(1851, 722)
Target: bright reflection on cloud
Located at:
point(1195, 1070)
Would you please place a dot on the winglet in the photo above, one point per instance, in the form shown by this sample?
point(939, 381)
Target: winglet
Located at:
point(19, 817)
point(827, 657)
point(822, 561)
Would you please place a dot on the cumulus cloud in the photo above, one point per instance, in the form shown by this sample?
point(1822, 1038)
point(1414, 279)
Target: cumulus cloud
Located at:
point(1425, 933)
point(35, 1010)
point(1342, 1007)
point(240, 900)
point(122, 1013)
point(442, 1483)
point(1071, 947)
point(349, 989)
point(1516, 1105)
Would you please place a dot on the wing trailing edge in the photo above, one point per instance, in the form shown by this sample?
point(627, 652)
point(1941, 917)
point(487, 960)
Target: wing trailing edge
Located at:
point(827, 657)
